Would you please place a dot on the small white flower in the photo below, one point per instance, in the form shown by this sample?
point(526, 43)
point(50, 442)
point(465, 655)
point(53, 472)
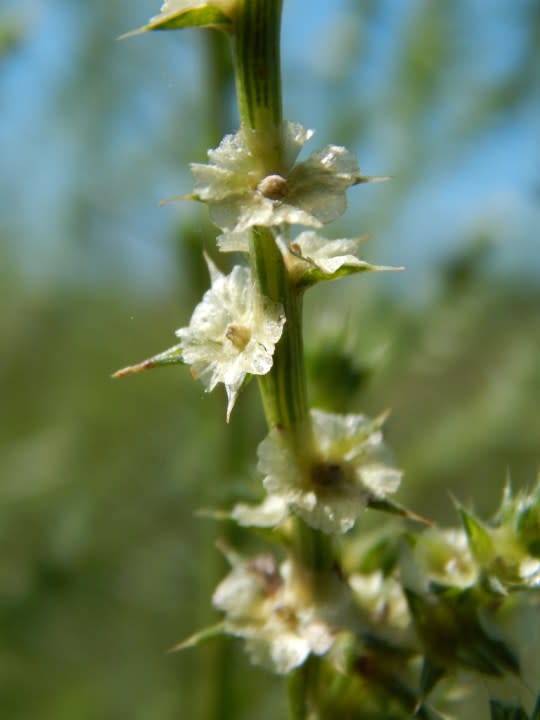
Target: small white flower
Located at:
point(329, 255)
point(240, 194)
point(348, 469)
point(444, 557)
point(273, 610)
point(232, 333)
point(382, 598)
point(270, 513)
point(234, 241)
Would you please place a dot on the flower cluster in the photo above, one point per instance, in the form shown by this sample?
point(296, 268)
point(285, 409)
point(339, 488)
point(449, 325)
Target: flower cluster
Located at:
point(273, 609)
point(241, 194)
point(232, 332)
point(330, 487)
point(394, 618)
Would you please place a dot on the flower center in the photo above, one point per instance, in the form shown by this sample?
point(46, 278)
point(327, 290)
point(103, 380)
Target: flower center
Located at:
point(265, 569)
point(273, 187)
point(239, 335)
point(327, 474)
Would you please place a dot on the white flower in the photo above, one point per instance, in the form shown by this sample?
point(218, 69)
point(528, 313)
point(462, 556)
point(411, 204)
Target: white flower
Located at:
point(241, 194)
point(270, 513)
point(232, 333)
point(444, 557)
point(348, 469)
point(382, 598)
point(234, 241)
point(273, 610)
point(329, 255)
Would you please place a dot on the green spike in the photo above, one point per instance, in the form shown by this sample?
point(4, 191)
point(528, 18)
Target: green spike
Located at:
point(478, 535)
point(172, 356)
point(200, 637)
point(208, 16)
point(387, 506)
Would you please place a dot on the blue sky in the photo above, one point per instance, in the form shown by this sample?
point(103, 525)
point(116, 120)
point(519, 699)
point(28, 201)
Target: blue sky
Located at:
point(485, 182)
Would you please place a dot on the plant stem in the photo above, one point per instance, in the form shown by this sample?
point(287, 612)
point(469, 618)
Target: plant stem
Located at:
point(284, 389)
point(256, 48)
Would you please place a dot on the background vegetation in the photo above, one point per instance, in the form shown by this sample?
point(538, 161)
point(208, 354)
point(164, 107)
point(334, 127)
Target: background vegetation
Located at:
point(102, 564)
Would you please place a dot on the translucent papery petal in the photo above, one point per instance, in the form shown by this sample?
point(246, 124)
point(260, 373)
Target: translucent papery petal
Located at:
point(214, 183)
point(380, 479)
point(319, 636)
point(233, 154)
point(275, 458)
point(271, 512)
point(286, 213)
point(344, 435)
point(328, 255)
point(238, 594)
point(318, 185)
point(259, 359)
point(444, 557)
point(334, 513)
point(209, 373)
point(382, 597)
point(232, 391)
point(258, 210)
point(294, 138)
point(272, 321)
point(280, 654)
point(234, 241)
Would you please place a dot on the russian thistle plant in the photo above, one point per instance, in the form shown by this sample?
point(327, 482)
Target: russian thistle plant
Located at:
point(395, 624)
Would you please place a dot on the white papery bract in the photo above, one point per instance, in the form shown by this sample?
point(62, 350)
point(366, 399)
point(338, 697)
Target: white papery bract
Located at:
point(444, 557)
point(329, 255)
point(270, 513)
point(348, 469)
point(381, 598)
point(241, 194)
point(272, 609)
point(232, 333)
point(173, 6)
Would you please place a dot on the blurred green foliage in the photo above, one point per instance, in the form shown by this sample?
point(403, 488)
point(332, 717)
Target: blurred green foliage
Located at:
point(103, 565)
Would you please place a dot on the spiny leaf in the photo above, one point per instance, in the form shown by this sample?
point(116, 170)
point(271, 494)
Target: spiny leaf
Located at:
point(172, 356)
point(200, 637)
point(478, 535)
point(205, 16)
point(371, 179)
point(315, 275)
point(385, 505)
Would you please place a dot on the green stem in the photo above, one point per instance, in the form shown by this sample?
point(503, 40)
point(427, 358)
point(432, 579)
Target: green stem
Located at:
point(256, 45)
point(284, 389)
